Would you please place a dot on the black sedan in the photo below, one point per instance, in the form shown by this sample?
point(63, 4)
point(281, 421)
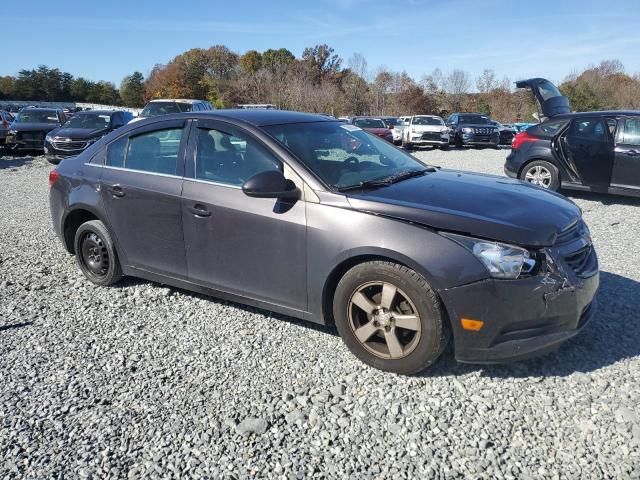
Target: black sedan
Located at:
point(30, 127)
point(310, 217)
point(594, 151)
point(80, 131)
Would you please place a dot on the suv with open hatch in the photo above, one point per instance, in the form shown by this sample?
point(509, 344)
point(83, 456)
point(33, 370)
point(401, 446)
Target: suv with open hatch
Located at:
point(593, 151)
point(314, 218)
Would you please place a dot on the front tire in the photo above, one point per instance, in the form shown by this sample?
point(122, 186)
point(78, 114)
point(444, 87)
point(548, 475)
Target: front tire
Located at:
point(390, 318)
point(96, 255)
point(444, 147)
point(542, 174)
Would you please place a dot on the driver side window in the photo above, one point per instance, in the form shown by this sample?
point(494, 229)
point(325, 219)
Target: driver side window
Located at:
point(230, 159)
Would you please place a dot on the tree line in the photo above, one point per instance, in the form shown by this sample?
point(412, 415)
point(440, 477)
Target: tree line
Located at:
point(322, 81)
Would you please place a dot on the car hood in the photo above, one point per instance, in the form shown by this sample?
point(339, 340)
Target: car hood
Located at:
point(78, 132)
point(378, 131)
point(485, 206)
point(476, 125)
point(33, 127)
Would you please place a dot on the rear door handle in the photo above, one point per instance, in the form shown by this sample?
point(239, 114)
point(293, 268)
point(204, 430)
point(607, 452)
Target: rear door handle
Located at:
point(200, 210)
point(116, 191)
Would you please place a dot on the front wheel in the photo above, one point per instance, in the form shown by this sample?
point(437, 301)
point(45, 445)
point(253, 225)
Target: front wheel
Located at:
point(407, 145)
point(96, 255)
point(542, 174)
point(444, 147)
point(390, 318)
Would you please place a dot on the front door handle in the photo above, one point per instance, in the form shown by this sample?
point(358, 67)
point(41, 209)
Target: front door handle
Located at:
point(116, 191)
point(632, 153)
point(200, 210)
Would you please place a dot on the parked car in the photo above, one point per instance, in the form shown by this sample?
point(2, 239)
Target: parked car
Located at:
point(595, 151)
point(80, 131)
point(472, 129)
point(392, 124)
point(320, 220)
point(507, 132)
point(5, 121)
point(375, 126)
point(425, 130)
point(167, 106)
point(31, 125)
point(522, 126)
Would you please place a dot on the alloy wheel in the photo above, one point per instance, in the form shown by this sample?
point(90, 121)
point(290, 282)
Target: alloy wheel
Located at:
point(538, 175)
point(384, 320)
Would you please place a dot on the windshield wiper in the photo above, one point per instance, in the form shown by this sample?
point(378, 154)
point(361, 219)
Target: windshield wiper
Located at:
point(388, 180)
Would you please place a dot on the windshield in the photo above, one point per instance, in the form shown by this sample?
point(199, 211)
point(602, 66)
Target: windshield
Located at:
point(37, 116)
point(91, 121)
point(369, 123)
point(343, 155)
point(427, 121)
point(392, 121)
point(474, 119)
point(163, 108)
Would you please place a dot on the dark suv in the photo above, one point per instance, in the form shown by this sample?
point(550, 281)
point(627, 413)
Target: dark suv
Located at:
point(595, 151)
point(31, 125)
point(472, 129)
point(80, 131)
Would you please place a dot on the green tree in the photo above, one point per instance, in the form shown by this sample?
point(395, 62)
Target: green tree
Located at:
point(132, 90)
point(277, 59)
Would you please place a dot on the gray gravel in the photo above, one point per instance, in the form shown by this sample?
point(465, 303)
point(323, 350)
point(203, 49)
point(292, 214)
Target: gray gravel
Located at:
point(146, 381)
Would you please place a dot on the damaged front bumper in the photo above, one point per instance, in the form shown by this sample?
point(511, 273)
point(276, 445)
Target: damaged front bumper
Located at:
point(525, 317)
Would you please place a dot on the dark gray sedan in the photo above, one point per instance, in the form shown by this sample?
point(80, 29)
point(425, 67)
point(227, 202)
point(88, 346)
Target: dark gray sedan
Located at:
point(317, 219)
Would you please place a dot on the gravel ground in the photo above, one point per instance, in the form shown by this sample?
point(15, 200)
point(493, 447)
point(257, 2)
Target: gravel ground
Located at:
point(146, 381)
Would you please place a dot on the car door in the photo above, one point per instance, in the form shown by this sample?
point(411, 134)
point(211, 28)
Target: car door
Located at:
point(589, 145)
point(140, 187)
point(253, 247)
point(626, 168)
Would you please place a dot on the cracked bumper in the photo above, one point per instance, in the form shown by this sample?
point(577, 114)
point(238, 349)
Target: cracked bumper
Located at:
point(522, 318)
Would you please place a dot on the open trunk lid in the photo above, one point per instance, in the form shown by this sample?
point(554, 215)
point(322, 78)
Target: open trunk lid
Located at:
point(549, 98)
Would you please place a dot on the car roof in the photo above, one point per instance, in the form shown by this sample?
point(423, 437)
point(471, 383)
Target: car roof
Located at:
point(42, 109)
point(184, 100)
point(257, 118)
point(429, 116)
point(596, 113)
point(99, 112)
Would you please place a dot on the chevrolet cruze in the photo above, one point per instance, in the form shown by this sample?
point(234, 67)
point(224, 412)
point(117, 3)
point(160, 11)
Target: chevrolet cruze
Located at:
point(318, 219)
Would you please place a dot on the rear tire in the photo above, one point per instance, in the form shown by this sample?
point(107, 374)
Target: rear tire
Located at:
point(96, 255)
point(390, 318)
point(407, 145)
point(444, 147)
point(542, 174)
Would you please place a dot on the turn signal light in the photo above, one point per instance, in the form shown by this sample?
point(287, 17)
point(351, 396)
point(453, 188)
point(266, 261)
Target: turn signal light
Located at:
point(471, 324)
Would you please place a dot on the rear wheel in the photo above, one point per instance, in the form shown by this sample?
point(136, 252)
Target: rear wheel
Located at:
point(407, 145)
point(444, 147)
point(542, 174)
point(389, 317)
point(96, 254)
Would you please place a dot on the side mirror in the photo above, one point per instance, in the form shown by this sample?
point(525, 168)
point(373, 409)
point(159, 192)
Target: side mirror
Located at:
point(271, 184)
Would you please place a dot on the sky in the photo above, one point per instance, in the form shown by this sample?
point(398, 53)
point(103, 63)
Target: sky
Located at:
point(517, 39)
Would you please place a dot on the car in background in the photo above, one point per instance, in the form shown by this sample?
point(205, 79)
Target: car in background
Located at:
point(472, 129)
point(592, 151)
point(167, 106)
point(80, 131)
point(5, 122)
point(507, 132)
point(425, 131)
point(319, 220)
point(30, 127)
point(395, 125)
point(376, 126)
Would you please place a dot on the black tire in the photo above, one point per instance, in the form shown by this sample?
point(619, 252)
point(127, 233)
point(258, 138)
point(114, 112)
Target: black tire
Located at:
point(421, 352)
point(554, 181)
point(95, 253)
point(457, 141)
point(444, 147)
point(407, 145)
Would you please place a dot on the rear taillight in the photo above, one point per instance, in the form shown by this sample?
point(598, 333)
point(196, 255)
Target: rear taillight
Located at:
point(521, 138)
point(53, 177)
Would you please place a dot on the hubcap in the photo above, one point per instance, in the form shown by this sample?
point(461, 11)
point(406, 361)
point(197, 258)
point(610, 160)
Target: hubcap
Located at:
point(93, 253)
point(538, 175)
point(384, 320)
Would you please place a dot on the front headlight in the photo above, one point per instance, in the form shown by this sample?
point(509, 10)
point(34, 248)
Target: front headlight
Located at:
point(48, 139)
point(502, 260)
point(467, 130)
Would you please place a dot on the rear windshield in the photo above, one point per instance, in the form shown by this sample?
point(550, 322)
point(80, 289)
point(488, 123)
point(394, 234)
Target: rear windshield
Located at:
point(427, 121)
point(369, 123)
point(548, 90)
point(551, 128)
point(37, 116)
point(474, 119)
point(163, 108)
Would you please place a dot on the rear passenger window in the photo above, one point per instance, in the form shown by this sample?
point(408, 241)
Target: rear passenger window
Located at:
point(155, 152)
point(589, 129)
point(115, 152)
point(632, 131)
point(225, 158)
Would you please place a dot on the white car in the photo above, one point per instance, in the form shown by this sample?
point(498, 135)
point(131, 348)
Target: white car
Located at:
point(397, 129)
point(425, 130)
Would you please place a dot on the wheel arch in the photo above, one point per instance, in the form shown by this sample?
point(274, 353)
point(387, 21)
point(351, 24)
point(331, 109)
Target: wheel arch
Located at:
point(72, 220)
